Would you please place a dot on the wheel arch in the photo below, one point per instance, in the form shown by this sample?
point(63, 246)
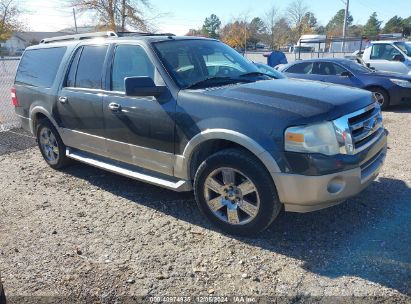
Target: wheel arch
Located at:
point(213, 140)
point(37, 113)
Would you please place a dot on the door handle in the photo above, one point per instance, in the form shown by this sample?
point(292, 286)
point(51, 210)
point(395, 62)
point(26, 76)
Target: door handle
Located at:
point(115, 107)
point(63, 99)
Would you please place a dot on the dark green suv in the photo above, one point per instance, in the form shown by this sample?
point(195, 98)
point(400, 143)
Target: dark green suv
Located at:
point(189, 113)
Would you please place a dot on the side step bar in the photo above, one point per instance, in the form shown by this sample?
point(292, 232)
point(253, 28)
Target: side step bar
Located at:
point(128, 171)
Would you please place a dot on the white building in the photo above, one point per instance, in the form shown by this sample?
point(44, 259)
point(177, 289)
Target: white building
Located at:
point(18, 41)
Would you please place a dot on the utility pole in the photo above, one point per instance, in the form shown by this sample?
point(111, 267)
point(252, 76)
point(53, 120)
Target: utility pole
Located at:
point(347, 6)
point(75, 19)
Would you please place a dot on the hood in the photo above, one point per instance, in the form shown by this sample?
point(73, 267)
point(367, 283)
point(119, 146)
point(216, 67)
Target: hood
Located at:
point(298, 98)
point(390, 75)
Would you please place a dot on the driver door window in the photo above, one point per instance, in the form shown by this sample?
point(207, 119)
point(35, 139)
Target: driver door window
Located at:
point(129, 61)
point(383, 51)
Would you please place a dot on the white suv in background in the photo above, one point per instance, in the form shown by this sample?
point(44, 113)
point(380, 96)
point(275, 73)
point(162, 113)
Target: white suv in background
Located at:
point(390, 56)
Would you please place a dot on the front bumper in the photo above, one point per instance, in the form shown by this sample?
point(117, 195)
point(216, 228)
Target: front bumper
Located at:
point(400, 95)
point(303, 193)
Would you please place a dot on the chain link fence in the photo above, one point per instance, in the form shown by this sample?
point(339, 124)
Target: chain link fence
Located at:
point(8, 119)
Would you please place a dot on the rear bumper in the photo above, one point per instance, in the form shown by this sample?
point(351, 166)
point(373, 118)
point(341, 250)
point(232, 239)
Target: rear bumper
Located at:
point(302, 193)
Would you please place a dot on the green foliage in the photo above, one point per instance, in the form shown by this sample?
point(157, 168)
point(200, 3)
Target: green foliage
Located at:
point(372, 27)
point(211, 27)
point(335, 26)
point(256, 30)
point(394, 25)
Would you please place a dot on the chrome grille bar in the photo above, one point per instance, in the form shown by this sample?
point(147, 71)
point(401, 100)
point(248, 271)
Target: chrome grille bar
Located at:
point(359, 130)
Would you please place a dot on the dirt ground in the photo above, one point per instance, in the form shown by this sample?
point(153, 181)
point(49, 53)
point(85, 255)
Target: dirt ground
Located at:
point(86, 233)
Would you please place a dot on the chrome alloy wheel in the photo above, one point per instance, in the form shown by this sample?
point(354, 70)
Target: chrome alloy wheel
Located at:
point(231, 196)
point(49, 145)
point(379, 97)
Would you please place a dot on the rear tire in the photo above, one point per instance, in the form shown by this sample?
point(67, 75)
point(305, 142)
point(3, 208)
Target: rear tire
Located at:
point(382, 97)
point(236, 193)
point(51, 146)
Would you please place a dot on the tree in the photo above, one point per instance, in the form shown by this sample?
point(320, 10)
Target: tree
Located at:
point(234, 33)
point(406, 26)
point(356, 30)
point(282, 33)
point(308, 23)
point(9, 13)
point(394, 25)
point(256, 31)
point(335, 26)
point(270, 21)
point(372, 27)
point(194, 32)
point(117, 14)
point(211, 26)
point(296, 12)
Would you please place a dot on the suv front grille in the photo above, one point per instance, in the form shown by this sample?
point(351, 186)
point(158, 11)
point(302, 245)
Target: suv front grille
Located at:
point(366, 127)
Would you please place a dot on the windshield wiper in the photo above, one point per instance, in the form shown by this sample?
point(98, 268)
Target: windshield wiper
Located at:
point(213, 80)
point(250, 74)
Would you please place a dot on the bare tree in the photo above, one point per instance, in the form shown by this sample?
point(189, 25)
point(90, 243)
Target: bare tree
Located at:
point(117, 14)
point(270, 21)
point(9, 13)
point(296, 12)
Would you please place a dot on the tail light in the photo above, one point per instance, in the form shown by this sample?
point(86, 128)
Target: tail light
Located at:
point(14, 99)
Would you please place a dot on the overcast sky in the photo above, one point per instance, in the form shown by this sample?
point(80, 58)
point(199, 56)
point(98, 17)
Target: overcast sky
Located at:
point(178, 16)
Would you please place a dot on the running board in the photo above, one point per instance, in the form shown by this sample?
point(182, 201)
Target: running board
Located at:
point(129, 171)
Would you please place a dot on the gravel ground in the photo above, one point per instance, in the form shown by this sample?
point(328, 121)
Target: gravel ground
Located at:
point(87, 233)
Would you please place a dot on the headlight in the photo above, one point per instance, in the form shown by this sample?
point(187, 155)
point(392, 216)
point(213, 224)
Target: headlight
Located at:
point(401, 83)
point(317, 138)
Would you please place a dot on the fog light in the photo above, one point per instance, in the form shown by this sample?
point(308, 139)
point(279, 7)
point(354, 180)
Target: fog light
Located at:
point(336, 185)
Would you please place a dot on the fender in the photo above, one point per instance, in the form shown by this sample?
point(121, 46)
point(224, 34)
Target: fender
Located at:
point(39, 109)
point(182, 165)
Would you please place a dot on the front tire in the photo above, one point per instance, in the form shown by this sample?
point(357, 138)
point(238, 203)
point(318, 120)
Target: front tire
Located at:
point(382, 97)
point(50, 144)
point(236, 193)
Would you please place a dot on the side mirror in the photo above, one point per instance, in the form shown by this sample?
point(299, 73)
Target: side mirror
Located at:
point(398, 57)
point(345, 74)
point(142, 86)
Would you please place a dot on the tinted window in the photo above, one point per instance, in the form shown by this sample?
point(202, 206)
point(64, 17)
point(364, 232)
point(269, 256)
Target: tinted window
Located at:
point(383, 51)
point(129, 61)
point(39, 67)
point(328, 68)
point(301, 68)
point(90, 67)
point(71, 77)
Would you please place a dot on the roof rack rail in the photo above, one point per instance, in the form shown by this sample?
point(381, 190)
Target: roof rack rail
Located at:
point(79, 37)
point(126, 34)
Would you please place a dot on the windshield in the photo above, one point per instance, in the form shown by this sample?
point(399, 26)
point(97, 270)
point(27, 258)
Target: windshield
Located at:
point(191, 61)
point(356, 67)
point(406, 48)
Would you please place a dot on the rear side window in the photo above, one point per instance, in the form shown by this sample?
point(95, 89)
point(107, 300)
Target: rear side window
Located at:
point(39, 67)
point(301, 68)
point(89, 67)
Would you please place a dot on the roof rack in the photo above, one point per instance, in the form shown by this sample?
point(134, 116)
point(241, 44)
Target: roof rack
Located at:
point(79, 37)
point(127, 34)
point(101, 35)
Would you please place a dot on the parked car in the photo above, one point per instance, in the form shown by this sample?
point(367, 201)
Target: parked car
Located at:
point(246, 144)
point(266, 69)
point(389, 88)
point(389, 56)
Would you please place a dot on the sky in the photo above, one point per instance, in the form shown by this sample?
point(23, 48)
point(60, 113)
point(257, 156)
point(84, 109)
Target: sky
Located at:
point(178, 16)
